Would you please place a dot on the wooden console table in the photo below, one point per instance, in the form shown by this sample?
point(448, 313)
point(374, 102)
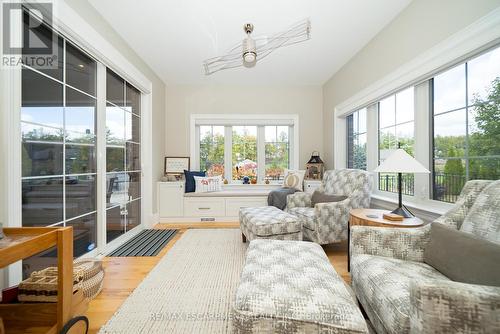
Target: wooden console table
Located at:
point(360, 217)
point(23, 242)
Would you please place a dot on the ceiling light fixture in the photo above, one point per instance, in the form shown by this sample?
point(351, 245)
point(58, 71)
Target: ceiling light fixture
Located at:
point(251, 49)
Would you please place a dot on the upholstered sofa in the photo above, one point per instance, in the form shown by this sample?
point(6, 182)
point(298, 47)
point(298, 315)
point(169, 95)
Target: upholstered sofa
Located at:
point(402, 294)
point(326, 223)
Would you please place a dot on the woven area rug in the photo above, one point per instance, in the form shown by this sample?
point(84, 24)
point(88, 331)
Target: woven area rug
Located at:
point(190, 290)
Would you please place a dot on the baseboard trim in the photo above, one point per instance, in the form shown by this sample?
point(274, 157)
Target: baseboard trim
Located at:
point(155, 219)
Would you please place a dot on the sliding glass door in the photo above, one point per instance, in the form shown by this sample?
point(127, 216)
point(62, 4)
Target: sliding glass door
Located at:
point(58, 120)
point(123, 161)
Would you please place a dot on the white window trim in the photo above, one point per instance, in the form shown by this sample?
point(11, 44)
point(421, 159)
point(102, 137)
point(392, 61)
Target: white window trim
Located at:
point(479, 36)
point(242, 119)
point(70, 24)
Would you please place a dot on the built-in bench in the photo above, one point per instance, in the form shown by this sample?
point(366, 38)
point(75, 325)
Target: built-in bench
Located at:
point(174, 205)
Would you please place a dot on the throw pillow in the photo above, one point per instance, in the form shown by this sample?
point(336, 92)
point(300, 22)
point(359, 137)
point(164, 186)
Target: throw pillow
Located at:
point(208, 184)
point(319, 197)
point(462, 256)
point(294, 179)
point(189, 176)
point(483, 217)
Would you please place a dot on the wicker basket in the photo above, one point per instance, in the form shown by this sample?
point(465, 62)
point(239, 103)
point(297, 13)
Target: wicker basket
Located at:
point(93, 276)
point(88, 276)
point(93, 286)
point(41, 286)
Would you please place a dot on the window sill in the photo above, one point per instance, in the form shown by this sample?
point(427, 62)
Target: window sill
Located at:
point(425, 208)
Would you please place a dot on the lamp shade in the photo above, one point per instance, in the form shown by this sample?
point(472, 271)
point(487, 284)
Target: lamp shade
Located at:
point(400, 162)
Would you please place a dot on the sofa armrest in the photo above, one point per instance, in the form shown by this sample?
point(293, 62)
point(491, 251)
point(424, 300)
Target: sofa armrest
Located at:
point(399, 243)
point(451, 307)
point(332, 219)
point(299, 199)
point(327, 211)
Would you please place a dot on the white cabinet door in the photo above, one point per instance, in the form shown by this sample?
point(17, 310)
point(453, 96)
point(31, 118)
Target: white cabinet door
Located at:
point(171, 199)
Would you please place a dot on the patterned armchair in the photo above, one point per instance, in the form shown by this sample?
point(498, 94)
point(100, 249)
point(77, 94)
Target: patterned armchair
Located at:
point(326, 223)
point(402, 294)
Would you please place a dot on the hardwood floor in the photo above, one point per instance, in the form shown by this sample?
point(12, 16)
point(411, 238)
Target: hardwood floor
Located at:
point(123, 274)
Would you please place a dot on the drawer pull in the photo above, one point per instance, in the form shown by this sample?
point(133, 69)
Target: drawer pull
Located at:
point(203, 208)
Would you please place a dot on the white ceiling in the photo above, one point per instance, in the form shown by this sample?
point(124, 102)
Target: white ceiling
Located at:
point(175, 36)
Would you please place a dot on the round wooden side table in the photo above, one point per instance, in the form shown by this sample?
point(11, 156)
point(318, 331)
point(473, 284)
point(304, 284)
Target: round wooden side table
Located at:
point(373, 217)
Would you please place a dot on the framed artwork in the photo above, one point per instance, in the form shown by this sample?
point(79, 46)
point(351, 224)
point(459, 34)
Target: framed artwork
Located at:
point(176, 165)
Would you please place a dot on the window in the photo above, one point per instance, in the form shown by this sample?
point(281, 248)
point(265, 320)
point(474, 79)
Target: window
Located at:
point(396, 129)
point(123, 160)
point(466, 118)
point(448, 122)
point(58, 134)
point(277, 148)
point(356, 140)
point(212, 149)
point(244, 152)
point(260, 150)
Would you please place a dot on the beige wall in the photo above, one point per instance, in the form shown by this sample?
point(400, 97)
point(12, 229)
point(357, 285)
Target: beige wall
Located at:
point(93, 17)
point(182, 101)
point(422, 25)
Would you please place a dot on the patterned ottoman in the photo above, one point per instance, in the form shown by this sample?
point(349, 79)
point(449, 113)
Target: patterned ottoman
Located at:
point(269, 222)
point(291, 287)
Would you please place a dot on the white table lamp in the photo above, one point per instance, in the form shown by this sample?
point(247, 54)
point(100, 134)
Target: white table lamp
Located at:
point(401, 162)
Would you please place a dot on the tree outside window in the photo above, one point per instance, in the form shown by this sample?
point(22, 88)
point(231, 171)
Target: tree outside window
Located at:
point(212, 150)
point(356, 140)
point(466, 125)
point(277, 151)
point(232, 151)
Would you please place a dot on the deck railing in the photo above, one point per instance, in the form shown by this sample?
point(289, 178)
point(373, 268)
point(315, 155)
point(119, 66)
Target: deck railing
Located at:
point(389, 182)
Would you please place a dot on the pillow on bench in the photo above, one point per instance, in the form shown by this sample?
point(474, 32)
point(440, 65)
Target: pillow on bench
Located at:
point(208, 183)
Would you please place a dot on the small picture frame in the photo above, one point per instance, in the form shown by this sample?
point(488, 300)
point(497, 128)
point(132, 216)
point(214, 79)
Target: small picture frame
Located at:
point(176, 165)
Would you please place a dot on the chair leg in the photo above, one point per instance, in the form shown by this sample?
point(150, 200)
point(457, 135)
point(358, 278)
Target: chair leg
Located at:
point(243, 238)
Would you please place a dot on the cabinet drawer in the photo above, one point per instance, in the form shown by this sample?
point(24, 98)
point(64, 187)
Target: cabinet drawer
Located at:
point(214, 207)
point(233, 205)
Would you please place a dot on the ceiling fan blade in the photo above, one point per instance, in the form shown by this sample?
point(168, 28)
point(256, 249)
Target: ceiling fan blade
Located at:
point(221, 63)
point(299, 32)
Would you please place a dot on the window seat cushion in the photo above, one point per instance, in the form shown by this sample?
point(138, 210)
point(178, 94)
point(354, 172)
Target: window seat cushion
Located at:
point(231, 193)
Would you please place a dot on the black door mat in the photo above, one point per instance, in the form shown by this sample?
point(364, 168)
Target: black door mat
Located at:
point(147, 243)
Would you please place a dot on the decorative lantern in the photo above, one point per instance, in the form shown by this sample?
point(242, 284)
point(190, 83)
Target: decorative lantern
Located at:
point(315, 167)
